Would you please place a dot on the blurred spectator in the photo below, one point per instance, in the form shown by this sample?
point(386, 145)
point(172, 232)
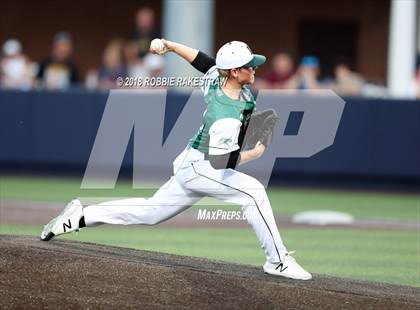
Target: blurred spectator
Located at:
point(16, 71)
point(416, 81)
point(112, 66)
point(154, 64)
point(145, 30)
point(134, 64)
point(347, 82)
point(149, 66)
point(308, 73)
point(282, 74)
point(59, 71)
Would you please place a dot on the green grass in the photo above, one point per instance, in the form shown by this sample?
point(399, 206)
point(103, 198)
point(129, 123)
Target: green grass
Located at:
point(389, 256)
point(363, 205)
point(60, 189)
point(386, 256)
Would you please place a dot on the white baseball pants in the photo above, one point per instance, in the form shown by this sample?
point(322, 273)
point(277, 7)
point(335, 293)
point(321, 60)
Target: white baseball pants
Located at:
point(194, 178)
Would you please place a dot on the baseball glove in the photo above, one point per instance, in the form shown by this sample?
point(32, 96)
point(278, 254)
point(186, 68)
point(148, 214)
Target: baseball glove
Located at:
point(260, 128)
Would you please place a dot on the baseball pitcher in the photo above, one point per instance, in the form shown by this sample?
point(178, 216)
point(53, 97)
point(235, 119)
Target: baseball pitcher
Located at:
point(207, 165)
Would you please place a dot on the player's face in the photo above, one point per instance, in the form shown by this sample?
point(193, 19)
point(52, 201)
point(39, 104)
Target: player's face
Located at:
point(245, 75)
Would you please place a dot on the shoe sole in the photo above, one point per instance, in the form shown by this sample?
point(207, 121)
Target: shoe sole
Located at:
point(48, 237)
point(287, 277)
point(47, 231)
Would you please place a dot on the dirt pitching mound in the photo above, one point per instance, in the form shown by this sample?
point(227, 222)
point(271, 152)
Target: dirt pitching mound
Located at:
point(69, 274)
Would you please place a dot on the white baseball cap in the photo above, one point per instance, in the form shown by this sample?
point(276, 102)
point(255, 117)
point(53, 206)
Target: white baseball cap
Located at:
point(12, 47)
point(237, 54)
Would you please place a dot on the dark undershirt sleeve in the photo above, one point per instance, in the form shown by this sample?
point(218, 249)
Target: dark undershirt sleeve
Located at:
point(225, 161)
point(203, 62)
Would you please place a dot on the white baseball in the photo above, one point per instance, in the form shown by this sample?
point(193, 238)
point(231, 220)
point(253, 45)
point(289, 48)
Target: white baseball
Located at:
point(158, 46)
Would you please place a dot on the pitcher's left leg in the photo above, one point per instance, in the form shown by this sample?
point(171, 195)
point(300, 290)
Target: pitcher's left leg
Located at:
point(257, 209)
point(238, 188)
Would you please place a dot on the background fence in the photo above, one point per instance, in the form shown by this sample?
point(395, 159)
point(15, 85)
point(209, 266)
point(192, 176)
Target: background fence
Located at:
point(376, 138)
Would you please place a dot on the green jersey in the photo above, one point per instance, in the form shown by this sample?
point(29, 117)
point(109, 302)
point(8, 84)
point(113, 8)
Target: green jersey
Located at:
point(225, 121)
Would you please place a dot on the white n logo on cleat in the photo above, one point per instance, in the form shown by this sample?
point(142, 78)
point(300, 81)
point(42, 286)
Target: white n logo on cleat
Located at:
point(65, 225)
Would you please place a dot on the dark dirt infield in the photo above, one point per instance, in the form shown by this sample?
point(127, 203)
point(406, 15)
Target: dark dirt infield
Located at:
point(69, 274)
